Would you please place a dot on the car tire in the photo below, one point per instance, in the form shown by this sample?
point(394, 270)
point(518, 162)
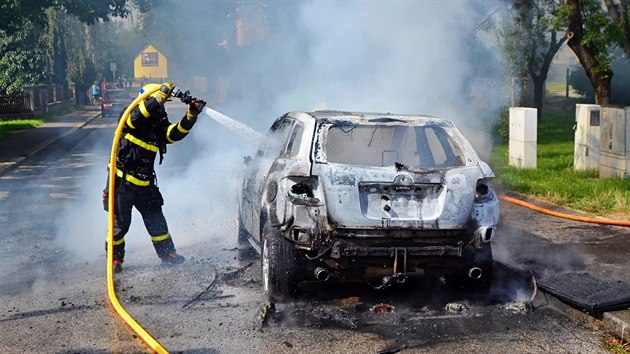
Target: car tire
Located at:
point(245, 250)
point(279, 267)
point(461, 281)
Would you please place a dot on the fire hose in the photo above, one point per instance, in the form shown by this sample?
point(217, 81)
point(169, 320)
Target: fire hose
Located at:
point(563, 215)
point(111, 291)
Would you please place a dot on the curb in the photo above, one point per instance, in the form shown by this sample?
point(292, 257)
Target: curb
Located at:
point(16, 162)
point(616, 323)
point(613, 322)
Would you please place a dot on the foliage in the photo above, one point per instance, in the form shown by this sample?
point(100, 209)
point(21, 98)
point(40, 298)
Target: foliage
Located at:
point(600, 33)
point(60, 41)
point(529, 41)
point(616, 345)
point(22, 59)
point(620, 83)
point(502, 128)
point(13, 13)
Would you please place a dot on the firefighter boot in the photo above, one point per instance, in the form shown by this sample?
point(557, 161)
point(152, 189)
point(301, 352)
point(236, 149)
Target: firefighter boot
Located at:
point(117, 266)
point(173, 259)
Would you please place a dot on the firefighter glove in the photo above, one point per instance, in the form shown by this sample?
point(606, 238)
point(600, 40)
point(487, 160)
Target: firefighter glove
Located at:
point(194, 108)
point(163, 94)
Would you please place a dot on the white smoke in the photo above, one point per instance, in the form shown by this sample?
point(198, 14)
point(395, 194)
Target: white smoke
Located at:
point(380, 56)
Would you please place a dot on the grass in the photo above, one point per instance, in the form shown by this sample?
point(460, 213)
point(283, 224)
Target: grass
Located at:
point(7, 126)
point(555, 180)
point(617, 346)
point(556, 87)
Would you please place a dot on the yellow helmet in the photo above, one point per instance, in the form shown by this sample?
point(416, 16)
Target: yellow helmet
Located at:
point(148, 87)
point(163, 94)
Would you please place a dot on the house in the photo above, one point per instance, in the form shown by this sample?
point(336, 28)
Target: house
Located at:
point(150, 65)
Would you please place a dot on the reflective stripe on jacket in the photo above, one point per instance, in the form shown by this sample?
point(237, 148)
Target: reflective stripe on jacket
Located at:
point(146, 133)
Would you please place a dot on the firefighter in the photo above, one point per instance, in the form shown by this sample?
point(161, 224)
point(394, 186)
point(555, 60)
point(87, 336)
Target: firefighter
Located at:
point(145, 135)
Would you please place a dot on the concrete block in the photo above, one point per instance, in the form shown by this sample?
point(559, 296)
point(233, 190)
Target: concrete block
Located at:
point(586, 158)
point(613, 165)
point(523, 124)
point(614, 131)
point(523, 137)
point(522, 154)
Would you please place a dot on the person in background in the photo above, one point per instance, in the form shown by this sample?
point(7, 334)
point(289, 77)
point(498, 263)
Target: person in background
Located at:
point(96, 93)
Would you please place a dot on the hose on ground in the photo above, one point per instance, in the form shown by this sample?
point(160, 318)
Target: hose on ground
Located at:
point(564, 215)
point(153, 344)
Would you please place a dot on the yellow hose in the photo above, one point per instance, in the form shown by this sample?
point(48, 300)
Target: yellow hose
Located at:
point(141, 332)
point(563, 215)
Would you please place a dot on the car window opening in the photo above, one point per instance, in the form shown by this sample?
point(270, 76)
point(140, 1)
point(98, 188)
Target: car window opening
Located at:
point(421, 147)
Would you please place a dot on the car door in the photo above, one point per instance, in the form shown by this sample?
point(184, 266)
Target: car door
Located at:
point(281, 168)
point(256, 175)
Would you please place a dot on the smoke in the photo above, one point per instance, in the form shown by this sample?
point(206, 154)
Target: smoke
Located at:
point(399, 57)
point(380, 56)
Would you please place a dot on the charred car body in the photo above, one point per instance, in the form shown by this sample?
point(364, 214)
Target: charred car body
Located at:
point(368, 196)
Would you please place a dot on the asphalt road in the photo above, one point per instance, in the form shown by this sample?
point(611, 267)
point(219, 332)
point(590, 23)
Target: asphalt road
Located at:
point(52, 272)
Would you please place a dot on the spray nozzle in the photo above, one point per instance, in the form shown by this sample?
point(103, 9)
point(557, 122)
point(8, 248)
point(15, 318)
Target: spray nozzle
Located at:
point(184, 96)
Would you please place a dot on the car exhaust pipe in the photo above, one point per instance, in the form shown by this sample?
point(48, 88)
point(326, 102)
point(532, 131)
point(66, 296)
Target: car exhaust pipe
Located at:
point(321, 274)
point(474, 273)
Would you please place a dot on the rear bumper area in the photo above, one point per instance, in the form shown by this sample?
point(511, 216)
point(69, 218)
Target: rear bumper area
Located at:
point(426, 251)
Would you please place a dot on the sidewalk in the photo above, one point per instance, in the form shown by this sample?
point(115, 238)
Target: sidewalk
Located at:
point(19, 145)
point(600, 251)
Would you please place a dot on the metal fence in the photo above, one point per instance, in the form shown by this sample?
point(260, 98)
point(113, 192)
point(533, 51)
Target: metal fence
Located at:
point(15, 104)
point(37, 99)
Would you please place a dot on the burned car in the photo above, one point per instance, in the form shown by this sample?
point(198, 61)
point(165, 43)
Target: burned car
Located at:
point(367, 196)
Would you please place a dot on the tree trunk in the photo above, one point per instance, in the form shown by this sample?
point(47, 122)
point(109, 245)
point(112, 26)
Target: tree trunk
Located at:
point(541, 76)
point(539, 95)
point(600, 79)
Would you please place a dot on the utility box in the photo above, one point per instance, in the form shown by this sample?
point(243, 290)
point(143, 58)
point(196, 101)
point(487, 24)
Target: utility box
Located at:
point(587, 137)
point(523, 137)
point(614, 148)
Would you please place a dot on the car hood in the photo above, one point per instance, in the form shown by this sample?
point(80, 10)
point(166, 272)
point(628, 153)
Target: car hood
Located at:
point(390, 197)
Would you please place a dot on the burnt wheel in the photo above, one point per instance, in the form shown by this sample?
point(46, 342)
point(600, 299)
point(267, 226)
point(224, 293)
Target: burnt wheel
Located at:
point(279, 264)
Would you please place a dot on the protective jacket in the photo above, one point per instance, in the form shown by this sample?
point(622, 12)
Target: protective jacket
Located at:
point(146, 133)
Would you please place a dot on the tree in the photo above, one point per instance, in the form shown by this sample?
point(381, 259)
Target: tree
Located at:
point(515, 37)
point(22, 59)
point(544, 45)
point(591, 33)
point(13, 13)
point(530, 43)
point(55, 41)
point(619, 16)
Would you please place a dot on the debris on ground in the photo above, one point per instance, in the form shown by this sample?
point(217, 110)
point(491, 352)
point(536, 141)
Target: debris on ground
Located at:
point(382, 308)
point(519, 307)
point(455, 307)
point(266, 310)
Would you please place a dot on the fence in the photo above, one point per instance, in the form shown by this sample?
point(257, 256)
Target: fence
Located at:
point(35, 100)
point(15, 103)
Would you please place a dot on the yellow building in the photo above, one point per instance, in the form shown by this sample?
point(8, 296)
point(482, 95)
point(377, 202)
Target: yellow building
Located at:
point(150, 65)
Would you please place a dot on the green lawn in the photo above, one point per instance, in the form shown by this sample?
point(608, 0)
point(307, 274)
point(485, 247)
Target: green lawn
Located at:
point(558, 88)
point(7, 126)
point(555, 180)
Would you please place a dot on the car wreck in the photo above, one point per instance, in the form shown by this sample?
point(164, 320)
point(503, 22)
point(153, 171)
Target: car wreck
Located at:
point(367, 196)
